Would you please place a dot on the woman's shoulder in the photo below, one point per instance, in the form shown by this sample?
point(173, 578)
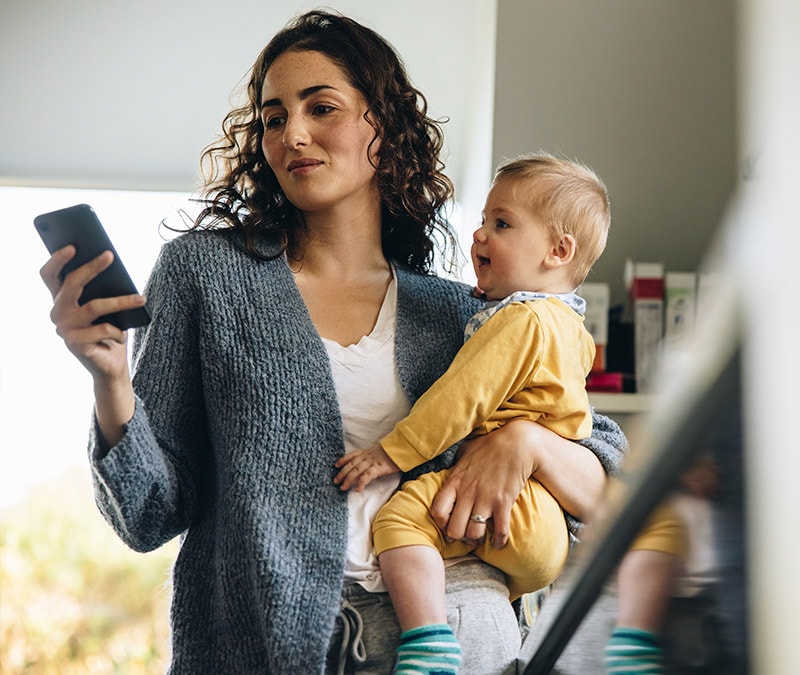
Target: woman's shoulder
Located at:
point(420, 287)
point(199, 260)
point(214, 247)
point(204, 241)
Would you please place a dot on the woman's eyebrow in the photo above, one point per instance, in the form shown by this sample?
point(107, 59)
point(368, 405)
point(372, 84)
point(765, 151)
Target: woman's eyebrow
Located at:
point(304, 94)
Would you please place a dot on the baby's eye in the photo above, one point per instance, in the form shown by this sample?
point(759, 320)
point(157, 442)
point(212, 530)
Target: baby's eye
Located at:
point(501, 225)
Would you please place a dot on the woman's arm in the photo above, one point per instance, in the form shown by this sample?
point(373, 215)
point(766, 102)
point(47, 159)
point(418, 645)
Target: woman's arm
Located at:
point(101, 348)
point(145, 484)
point(491, 472)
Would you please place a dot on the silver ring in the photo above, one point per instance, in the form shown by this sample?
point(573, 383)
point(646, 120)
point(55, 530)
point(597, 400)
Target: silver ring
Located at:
point(478, 518)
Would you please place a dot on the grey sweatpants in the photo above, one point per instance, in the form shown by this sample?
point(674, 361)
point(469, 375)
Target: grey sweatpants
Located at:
point(478, 610)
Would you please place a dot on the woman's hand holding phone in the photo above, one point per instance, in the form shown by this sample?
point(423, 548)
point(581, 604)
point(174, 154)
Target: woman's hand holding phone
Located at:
point(100, 347)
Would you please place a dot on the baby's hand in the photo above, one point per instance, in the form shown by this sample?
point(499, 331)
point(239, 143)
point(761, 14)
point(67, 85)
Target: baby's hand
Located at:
point(360, 467)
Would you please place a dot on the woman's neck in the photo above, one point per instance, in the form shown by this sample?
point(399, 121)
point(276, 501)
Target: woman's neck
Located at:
point(346, 248)
point(342, 276)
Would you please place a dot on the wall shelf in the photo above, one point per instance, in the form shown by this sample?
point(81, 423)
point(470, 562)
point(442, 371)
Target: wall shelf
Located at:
point(621, 403)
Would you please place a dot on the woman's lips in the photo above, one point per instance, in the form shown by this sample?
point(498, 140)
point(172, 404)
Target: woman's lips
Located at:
point(302, 164)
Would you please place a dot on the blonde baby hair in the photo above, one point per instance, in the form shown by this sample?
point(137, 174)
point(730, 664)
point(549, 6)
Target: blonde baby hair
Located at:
point(570, 198)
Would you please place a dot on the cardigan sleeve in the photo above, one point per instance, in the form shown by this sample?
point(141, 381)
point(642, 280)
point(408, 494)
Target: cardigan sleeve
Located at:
point(610, 446)
point(607, 442)
point(148, 485)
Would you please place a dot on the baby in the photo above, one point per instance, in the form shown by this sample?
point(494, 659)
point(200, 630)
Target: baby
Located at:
point(526, 355)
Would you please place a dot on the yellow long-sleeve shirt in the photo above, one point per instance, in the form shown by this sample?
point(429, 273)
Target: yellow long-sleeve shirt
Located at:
point(529, 360)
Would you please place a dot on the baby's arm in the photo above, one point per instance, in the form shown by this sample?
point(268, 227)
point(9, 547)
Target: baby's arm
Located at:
point(360, 467)
point(499, 361)
point(495, 363)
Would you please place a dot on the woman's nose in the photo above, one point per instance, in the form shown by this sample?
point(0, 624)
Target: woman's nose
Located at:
point(295, 133)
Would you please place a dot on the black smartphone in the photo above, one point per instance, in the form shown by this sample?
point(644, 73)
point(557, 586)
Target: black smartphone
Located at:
point(79, 225)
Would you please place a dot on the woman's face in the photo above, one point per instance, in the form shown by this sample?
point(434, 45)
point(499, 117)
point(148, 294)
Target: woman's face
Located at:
point(316, 139)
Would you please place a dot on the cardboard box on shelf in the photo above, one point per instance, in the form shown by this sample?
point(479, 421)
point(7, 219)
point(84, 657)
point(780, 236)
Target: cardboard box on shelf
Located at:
point(598, 298)
point(645, 283)
point(610, 383)
point(680, 298)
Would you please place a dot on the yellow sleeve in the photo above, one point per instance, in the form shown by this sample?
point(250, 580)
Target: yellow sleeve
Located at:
point(501, 358)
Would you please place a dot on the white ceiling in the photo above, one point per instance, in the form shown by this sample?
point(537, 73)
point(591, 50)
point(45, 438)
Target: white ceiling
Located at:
point(126, 94)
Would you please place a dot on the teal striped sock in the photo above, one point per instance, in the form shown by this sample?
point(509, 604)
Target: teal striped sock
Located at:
point(630, 650)
point(428, 650)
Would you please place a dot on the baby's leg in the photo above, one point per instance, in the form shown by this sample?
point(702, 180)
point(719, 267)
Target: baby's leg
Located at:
point(645, 582)
point(409, 546)
point(414, 577)
point(538, 542)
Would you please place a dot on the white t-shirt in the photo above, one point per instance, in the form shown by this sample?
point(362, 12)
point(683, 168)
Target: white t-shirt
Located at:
point(372, 401)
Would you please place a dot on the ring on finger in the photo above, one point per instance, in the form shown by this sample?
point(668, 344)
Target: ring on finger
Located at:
point(478, 518)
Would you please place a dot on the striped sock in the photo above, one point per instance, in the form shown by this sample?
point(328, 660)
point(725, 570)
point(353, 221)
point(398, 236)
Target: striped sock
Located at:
point(630, 650)
point(428, 650)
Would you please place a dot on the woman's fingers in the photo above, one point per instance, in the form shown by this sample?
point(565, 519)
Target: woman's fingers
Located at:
point(52, 268)
point(85, 340)
point(99, 307)
point(501, 527)
point(67, 312)
point(90, 314)
point(483, 485)
point(76, 280)
point(100, 346)
point(459, 510)
point(70, 289)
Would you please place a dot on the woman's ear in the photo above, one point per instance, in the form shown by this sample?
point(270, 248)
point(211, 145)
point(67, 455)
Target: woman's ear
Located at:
point(562, 252)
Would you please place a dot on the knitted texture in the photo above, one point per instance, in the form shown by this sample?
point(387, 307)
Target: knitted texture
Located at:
point(232, 446)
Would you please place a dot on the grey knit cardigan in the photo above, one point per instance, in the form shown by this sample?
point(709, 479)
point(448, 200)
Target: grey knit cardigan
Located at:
point(232, 447)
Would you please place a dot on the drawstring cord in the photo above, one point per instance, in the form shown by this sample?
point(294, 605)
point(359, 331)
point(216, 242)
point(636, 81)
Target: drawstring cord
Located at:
point(352, 636)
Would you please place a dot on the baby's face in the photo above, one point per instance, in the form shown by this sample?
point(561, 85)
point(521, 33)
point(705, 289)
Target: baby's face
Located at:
point(510, 246)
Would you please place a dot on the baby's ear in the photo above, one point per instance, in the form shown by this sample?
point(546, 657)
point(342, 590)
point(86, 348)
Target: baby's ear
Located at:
point(562, 252)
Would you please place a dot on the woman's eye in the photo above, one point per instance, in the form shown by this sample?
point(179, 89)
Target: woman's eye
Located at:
point(322, 109)
point(273, 122)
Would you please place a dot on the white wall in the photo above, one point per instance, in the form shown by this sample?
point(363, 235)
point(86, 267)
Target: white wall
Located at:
point(99, 94)
point(766, 268)
point(645, 93)
point(126, 94)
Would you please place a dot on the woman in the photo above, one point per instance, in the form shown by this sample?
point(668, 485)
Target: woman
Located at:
point(297, 319)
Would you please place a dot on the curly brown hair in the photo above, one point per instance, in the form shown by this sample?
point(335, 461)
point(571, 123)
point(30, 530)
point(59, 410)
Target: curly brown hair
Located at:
point(242, 192)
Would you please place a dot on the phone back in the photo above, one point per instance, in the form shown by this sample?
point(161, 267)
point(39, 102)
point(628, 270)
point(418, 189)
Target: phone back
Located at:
point(79, 225)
